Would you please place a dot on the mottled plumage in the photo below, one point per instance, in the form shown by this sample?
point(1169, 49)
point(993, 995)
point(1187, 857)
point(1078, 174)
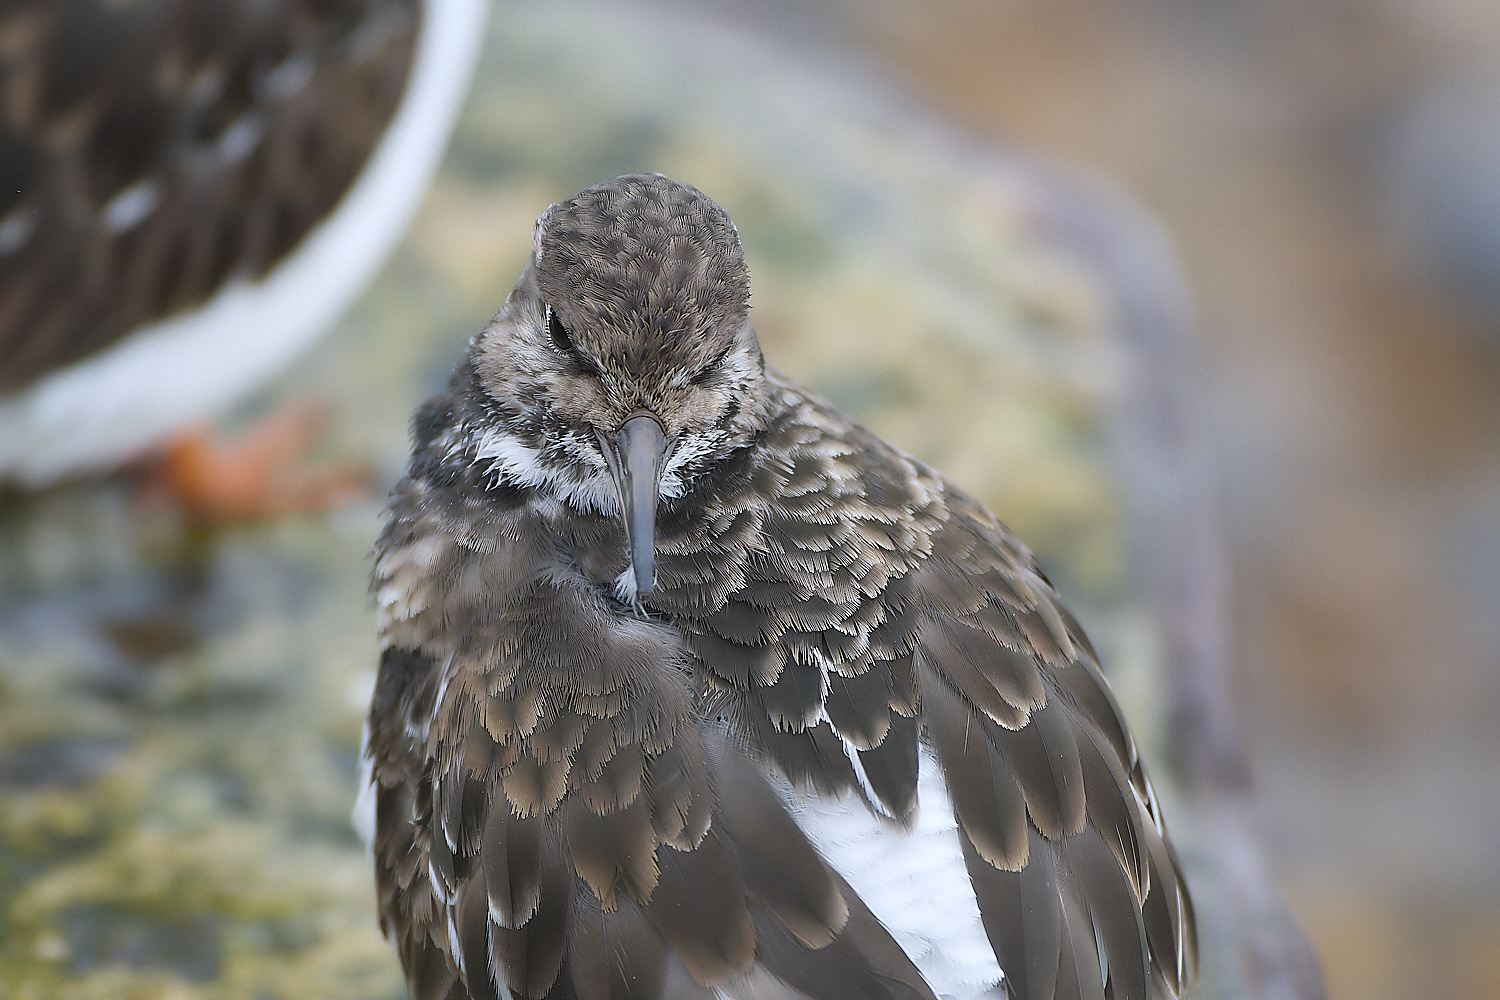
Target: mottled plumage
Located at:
point(154, 149)
point(703, 750)
point(190, 191)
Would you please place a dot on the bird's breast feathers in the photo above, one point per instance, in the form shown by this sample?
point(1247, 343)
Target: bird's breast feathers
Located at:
point(851, 734)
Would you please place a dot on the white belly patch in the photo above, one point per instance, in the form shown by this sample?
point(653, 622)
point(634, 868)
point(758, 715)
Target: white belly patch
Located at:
point(914, 882)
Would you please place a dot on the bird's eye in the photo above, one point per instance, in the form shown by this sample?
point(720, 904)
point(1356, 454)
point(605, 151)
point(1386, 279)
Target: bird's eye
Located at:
point(711, 371)
point(561, 339)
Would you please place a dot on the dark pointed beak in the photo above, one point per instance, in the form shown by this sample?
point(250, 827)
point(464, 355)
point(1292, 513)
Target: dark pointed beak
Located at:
point(635, 456)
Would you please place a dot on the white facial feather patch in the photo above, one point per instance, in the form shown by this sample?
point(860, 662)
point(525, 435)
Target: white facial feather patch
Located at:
point(519, 464)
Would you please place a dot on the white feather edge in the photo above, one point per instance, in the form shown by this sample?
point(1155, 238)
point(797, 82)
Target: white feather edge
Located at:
point(914, 881)
point(362, 816)
point(104, 410)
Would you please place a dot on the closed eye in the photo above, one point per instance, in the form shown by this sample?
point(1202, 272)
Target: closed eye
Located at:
point(711, 371)
point(561, 338)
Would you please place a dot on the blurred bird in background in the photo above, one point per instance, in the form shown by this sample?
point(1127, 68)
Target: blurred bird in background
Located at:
point(191, 191)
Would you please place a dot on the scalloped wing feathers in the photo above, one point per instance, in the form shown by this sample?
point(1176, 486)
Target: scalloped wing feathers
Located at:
point(156, 150)
point(576, 801)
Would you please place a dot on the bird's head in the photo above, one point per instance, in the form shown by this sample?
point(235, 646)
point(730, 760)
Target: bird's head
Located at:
point(623, 365)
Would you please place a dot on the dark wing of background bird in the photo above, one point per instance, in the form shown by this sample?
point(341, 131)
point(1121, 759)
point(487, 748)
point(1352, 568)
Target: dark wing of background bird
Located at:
point(571, 800)
point(151, 151)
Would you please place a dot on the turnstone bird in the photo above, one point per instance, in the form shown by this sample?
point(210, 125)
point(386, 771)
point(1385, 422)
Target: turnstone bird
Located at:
point(190, 191)
point(690, 686)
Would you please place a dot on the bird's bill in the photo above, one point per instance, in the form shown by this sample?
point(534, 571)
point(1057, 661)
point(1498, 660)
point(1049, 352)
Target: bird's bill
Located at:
point(635, 456)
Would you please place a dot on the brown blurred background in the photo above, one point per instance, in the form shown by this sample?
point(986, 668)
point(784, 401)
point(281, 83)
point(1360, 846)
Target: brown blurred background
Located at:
point(1330, 171)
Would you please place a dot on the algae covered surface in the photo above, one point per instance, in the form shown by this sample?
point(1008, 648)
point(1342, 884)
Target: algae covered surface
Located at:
point(180, 709)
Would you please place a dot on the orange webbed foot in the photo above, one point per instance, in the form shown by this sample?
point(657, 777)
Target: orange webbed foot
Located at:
point(258, 474)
